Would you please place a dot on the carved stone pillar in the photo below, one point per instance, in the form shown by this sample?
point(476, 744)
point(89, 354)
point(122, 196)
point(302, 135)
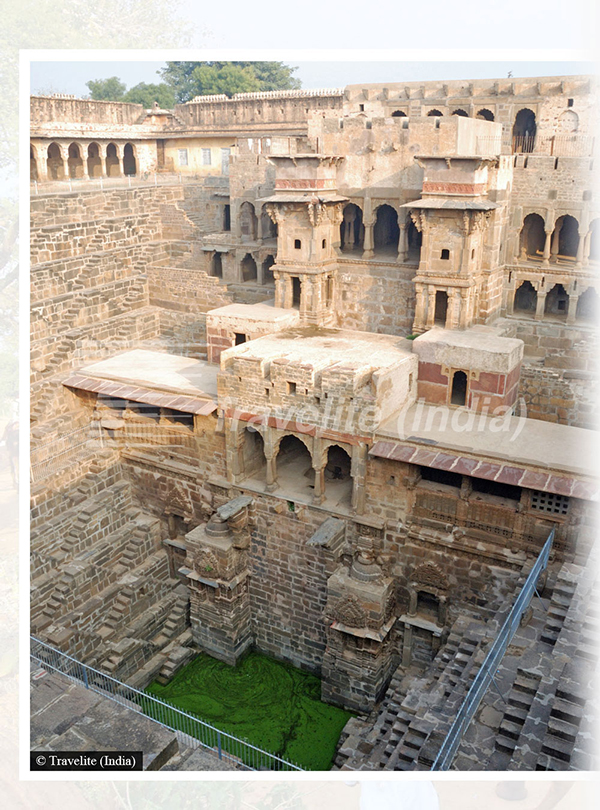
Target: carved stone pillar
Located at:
point(279, 289)
point(540, 306)
point(368, 245)
point(580, 251)
point(419, 322)
point(430, 307)
point(288, 298)
point(572, 311)
point(403, 243)
point(554, 244)
point(102, 156)
point(465, 302)
point(84, 160)
point(547, 245)
point(453, 312)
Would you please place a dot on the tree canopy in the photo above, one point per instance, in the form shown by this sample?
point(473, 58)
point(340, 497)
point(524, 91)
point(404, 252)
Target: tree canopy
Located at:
point(189, 79)
point(147, 94)
point(112, 89)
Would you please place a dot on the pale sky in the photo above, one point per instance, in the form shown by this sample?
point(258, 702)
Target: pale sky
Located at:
point(70, 77)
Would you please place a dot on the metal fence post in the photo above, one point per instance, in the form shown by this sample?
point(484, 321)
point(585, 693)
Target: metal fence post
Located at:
point(219, 745)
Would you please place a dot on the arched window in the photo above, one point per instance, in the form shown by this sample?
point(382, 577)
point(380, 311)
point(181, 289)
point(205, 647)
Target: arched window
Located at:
point(525, 298)
point(524, 130)
point(557, 302)
point(94, 161)
point(338, 480)
point(294, 466)
point(216, 265)
point(386, 231)
point(486, 115)
point(398, 114)
point(129, 161)
point(56, 164)
point(253, 454)
point(248, 267)
point(532, 237)
point(351, 228)
point(434, 113)
point(75, 161)
point(458, 395)
point(462, 113)
point(113, 165)
point(248, 222)
point(565, 239)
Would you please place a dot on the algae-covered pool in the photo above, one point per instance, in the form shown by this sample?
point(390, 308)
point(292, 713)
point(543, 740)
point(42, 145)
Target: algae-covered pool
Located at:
point(271, 704)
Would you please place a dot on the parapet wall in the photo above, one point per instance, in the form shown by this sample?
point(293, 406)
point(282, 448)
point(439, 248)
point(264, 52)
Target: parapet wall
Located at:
point(54, 109)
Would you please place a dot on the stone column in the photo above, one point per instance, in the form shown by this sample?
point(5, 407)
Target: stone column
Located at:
point(271, 472)
point(453, 312)
point(403, 243)
point(547, 246)
point(42, 165)
point(307, 287)
point(288, 299)
point(554, 244)
point(368, 251)
point(510, 299)
point(279, 289)
point(102, 156)
point(319, 491)
point(540, 306)
point(572, 311)
point(83, 147)
point(580, 251)
point(465, 303)
point(419, 321)
point(430, 307)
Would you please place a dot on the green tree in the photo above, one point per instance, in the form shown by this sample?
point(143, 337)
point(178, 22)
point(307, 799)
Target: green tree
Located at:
point(147, 94)
point(189, 79)
point(228, 79)
point(112, 89)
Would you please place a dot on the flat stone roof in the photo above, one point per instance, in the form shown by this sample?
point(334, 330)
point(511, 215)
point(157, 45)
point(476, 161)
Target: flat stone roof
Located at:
point(528, 452)
point(264, 311)
point(322, 348)
point(165, 380)
point(481, 347)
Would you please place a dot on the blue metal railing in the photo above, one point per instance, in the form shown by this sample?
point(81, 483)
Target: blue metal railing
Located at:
point(189, 729)
point(490, 665)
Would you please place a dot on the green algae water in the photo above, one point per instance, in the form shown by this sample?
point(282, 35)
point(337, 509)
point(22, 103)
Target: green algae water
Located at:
point(271, 704)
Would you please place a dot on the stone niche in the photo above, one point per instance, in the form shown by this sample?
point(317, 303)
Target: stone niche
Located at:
point(216, 570)
point(476, 368)
point(360, 656)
